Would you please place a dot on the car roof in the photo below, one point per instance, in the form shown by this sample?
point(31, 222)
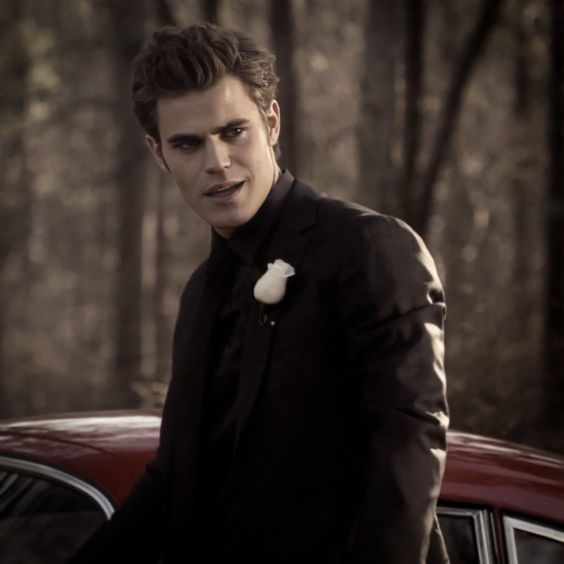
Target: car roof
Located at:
point(109, 449)
point(112, 448)
point(504, 475)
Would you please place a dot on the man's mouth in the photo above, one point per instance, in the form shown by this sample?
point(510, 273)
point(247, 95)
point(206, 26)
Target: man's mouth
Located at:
point(224, 189)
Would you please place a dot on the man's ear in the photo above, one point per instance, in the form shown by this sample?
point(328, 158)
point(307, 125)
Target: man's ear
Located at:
point(273, 122)
point(156, 151)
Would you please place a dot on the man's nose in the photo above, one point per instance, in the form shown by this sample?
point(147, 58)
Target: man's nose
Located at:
point(217, 156)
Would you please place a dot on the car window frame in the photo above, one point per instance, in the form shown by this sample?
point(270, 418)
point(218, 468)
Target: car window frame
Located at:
point(59, 477)
point(481, 524)
point(512, 523)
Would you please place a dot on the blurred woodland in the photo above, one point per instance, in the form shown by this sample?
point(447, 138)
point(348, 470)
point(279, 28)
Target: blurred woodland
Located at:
point(446, 113)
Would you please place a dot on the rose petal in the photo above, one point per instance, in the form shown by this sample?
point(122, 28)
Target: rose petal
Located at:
point(271, 286)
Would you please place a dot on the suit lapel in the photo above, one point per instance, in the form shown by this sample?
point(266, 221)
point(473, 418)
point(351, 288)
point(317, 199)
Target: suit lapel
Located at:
point(289, 242)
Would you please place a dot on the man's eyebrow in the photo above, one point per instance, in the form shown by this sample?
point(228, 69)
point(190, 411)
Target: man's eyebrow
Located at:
point(178, 138)
point(192, 137)
point(229, 125)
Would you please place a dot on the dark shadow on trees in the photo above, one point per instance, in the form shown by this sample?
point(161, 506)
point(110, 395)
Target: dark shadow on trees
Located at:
point(554, 332)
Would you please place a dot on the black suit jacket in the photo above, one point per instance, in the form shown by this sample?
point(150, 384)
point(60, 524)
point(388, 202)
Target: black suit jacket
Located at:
point(342, 417)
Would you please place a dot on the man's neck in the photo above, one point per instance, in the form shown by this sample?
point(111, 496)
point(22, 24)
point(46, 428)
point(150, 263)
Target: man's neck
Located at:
point(227, 232)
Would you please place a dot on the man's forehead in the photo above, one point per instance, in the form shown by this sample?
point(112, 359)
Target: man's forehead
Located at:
point(205, 110)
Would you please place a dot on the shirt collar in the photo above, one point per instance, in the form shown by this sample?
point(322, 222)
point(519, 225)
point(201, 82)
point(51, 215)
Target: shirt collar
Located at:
point(247, 239)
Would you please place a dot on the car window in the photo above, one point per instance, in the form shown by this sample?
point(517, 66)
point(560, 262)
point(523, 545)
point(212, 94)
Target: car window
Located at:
point(43, 520)
point(466, 534)
point(529, 542)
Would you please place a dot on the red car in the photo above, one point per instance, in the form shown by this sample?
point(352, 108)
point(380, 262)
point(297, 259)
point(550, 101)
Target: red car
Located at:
point(60, 477)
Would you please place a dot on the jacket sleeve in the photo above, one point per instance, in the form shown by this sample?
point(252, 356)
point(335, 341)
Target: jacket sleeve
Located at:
point(392, 308)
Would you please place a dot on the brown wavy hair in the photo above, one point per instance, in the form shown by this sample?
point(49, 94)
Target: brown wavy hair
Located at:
point(178, 61)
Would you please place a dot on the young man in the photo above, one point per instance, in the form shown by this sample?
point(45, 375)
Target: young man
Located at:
point(305, 424)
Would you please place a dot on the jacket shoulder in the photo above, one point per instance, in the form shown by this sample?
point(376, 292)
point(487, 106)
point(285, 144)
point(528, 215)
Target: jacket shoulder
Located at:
point(359, 225)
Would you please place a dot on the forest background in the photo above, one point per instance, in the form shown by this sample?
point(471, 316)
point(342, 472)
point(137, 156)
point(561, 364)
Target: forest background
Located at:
point(446, 113)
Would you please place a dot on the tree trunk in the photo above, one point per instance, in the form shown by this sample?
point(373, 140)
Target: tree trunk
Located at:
point(377, 108)
point(522, 79)
point(15, 196)
point(555, 228)
point(127, 35)
point(282, 26)
point(210, 10)
point(451, 108)
point(162, 333)
point(165, 16)
point(415, 15)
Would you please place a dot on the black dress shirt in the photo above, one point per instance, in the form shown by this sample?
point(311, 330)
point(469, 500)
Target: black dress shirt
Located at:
point(236, 260)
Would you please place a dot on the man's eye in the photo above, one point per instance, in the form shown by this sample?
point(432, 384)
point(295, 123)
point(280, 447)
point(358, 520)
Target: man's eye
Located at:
point(233, 132)
point(186, 146)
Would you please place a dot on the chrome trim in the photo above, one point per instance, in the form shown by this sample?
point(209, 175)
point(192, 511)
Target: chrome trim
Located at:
point(512, 523)
point(497, 549)
point(481, 529)
point(53, 474)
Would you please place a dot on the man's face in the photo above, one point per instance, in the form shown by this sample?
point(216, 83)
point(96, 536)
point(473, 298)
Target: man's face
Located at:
point(218, 146)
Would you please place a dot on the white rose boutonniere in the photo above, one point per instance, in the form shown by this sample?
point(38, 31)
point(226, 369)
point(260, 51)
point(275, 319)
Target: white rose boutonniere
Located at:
point(271, 286)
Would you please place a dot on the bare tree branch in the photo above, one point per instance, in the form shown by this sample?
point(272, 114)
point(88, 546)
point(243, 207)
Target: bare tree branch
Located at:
point(463, 68)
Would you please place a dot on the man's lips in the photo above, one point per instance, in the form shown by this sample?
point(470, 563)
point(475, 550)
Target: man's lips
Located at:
point(224, 189)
